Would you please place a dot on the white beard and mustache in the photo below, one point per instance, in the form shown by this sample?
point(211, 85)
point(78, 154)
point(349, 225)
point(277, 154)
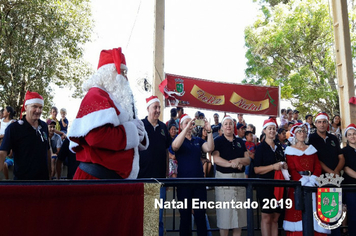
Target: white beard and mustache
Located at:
point(116, 85)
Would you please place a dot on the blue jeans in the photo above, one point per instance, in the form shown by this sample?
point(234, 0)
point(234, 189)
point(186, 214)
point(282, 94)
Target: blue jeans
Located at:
point(162, 195)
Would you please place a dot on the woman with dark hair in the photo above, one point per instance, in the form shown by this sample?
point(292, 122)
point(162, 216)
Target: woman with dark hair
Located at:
point(309, 120)
point(269, 162)
point(335, 127)
point(8, 116)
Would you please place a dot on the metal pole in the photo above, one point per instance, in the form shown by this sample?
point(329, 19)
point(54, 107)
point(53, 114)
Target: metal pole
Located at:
point(307, 214)
point(250, 220)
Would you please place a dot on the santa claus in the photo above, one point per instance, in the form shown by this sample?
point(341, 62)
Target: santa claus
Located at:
point(106, 134)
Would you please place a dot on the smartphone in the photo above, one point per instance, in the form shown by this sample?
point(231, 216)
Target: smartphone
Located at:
point(199, 123)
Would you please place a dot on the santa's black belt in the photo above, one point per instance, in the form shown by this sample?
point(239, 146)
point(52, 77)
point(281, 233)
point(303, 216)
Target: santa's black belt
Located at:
point(98, 171)
point(307, 172)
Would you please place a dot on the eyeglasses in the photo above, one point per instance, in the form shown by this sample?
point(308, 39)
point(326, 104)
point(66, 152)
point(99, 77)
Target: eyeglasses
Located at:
point(123, 72)
point(301, 131)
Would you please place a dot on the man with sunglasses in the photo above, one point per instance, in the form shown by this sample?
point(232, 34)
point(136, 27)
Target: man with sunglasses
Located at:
point(28, 140)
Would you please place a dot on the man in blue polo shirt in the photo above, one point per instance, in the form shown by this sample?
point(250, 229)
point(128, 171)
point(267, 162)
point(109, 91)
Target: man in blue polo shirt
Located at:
point(28, 140)
point(154, 160)
point(329, 153)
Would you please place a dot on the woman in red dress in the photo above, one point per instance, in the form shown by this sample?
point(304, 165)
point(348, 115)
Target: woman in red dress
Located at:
point(303, 166)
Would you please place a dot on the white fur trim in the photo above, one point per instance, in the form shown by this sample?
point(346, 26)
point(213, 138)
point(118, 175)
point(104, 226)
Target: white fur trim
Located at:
point(321, 117)
point(34, 100)
point(296, 152)
point(268, 124)
point(132, 140)
point(153, 101)
point(227, 118)
point(348, 129)
point(82, 126)
point(184, 118)
point(135, 165)
point(289, 226)
point(292, 226)
point(141, 147)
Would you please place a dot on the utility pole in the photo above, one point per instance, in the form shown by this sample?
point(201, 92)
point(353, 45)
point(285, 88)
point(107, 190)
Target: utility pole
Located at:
point(344, 68)
point(158, 52)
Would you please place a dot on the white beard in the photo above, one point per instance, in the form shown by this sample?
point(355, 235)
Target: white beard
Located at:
point(116, 85)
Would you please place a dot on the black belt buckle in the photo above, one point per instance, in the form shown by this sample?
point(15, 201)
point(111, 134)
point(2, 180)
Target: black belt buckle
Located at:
point(307, 173)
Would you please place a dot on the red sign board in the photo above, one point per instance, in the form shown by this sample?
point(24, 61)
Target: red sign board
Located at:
point(237, 98)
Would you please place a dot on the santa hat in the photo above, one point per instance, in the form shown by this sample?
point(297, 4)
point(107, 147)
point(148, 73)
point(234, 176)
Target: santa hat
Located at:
point(270, 121)
point(31, 98)
point(322, 116)
point(183, 118)
point(351, 126)
point(227, 118)
point(298, 126)
point(151, 100)
point(113, 56)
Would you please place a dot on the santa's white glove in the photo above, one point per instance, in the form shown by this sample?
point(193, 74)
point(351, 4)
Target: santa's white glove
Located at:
point(304, 180)
point(140, 129)
point(313, 180)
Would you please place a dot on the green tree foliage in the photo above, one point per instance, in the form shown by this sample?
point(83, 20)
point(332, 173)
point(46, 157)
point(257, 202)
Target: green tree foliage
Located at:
point(41, 42)
point(292, 45)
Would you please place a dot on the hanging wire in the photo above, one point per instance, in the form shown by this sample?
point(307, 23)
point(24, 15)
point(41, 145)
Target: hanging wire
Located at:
point(133, 26)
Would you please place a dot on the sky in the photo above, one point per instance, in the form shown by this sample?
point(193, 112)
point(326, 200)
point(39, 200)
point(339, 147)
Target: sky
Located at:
point(203, 39)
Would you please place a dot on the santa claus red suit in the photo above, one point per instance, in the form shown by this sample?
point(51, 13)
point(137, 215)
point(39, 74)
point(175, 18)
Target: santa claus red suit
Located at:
point(303, 166)
point(106, 135)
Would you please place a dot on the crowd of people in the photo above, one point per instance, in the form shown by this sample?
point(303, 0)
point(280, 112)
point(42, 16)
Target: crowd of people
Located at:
point(108, 141)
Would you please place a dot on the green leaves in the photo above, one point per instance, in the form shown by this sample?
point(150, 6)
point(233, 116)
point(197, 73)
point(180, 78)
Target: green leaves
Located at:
point(42, 42)
point(291, 45)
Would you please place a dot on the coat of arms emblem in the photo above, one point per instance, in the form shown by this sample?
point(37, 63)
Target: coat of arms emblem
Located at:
point(329, 202)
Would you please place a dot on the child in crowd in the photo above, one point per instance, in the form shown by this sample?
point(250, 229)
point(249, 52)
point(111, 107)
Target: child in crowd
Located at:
point(251, 148)
point(63, 122)
point(284, 118)
point(9, 161)
point(173, 163)
point(250, 145)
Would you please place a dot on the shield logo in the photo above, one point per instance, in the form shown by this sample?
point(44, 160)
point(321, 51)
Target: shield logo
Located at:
point(329, 204)
point(180, 87)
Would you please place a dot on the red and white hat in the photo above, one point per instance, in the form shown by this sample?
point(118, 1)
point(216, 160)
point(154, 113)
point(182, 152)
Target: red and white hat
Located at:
point(322, 116)
point(298, 126)
point(113, 56)
point(351, 126)
point(151, 100)
point(183, 118)
point(227, 117)
point(270, 121)
point(31, 98)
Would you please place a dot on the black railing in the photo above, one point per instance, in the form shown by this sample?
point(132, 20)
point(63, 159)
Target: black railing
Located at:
point(303, 195)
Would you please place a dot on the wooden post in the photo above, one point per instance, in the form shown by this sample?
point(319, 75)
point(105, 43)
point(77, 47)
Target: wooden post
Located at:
point(344, 68)
point(158, 52)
